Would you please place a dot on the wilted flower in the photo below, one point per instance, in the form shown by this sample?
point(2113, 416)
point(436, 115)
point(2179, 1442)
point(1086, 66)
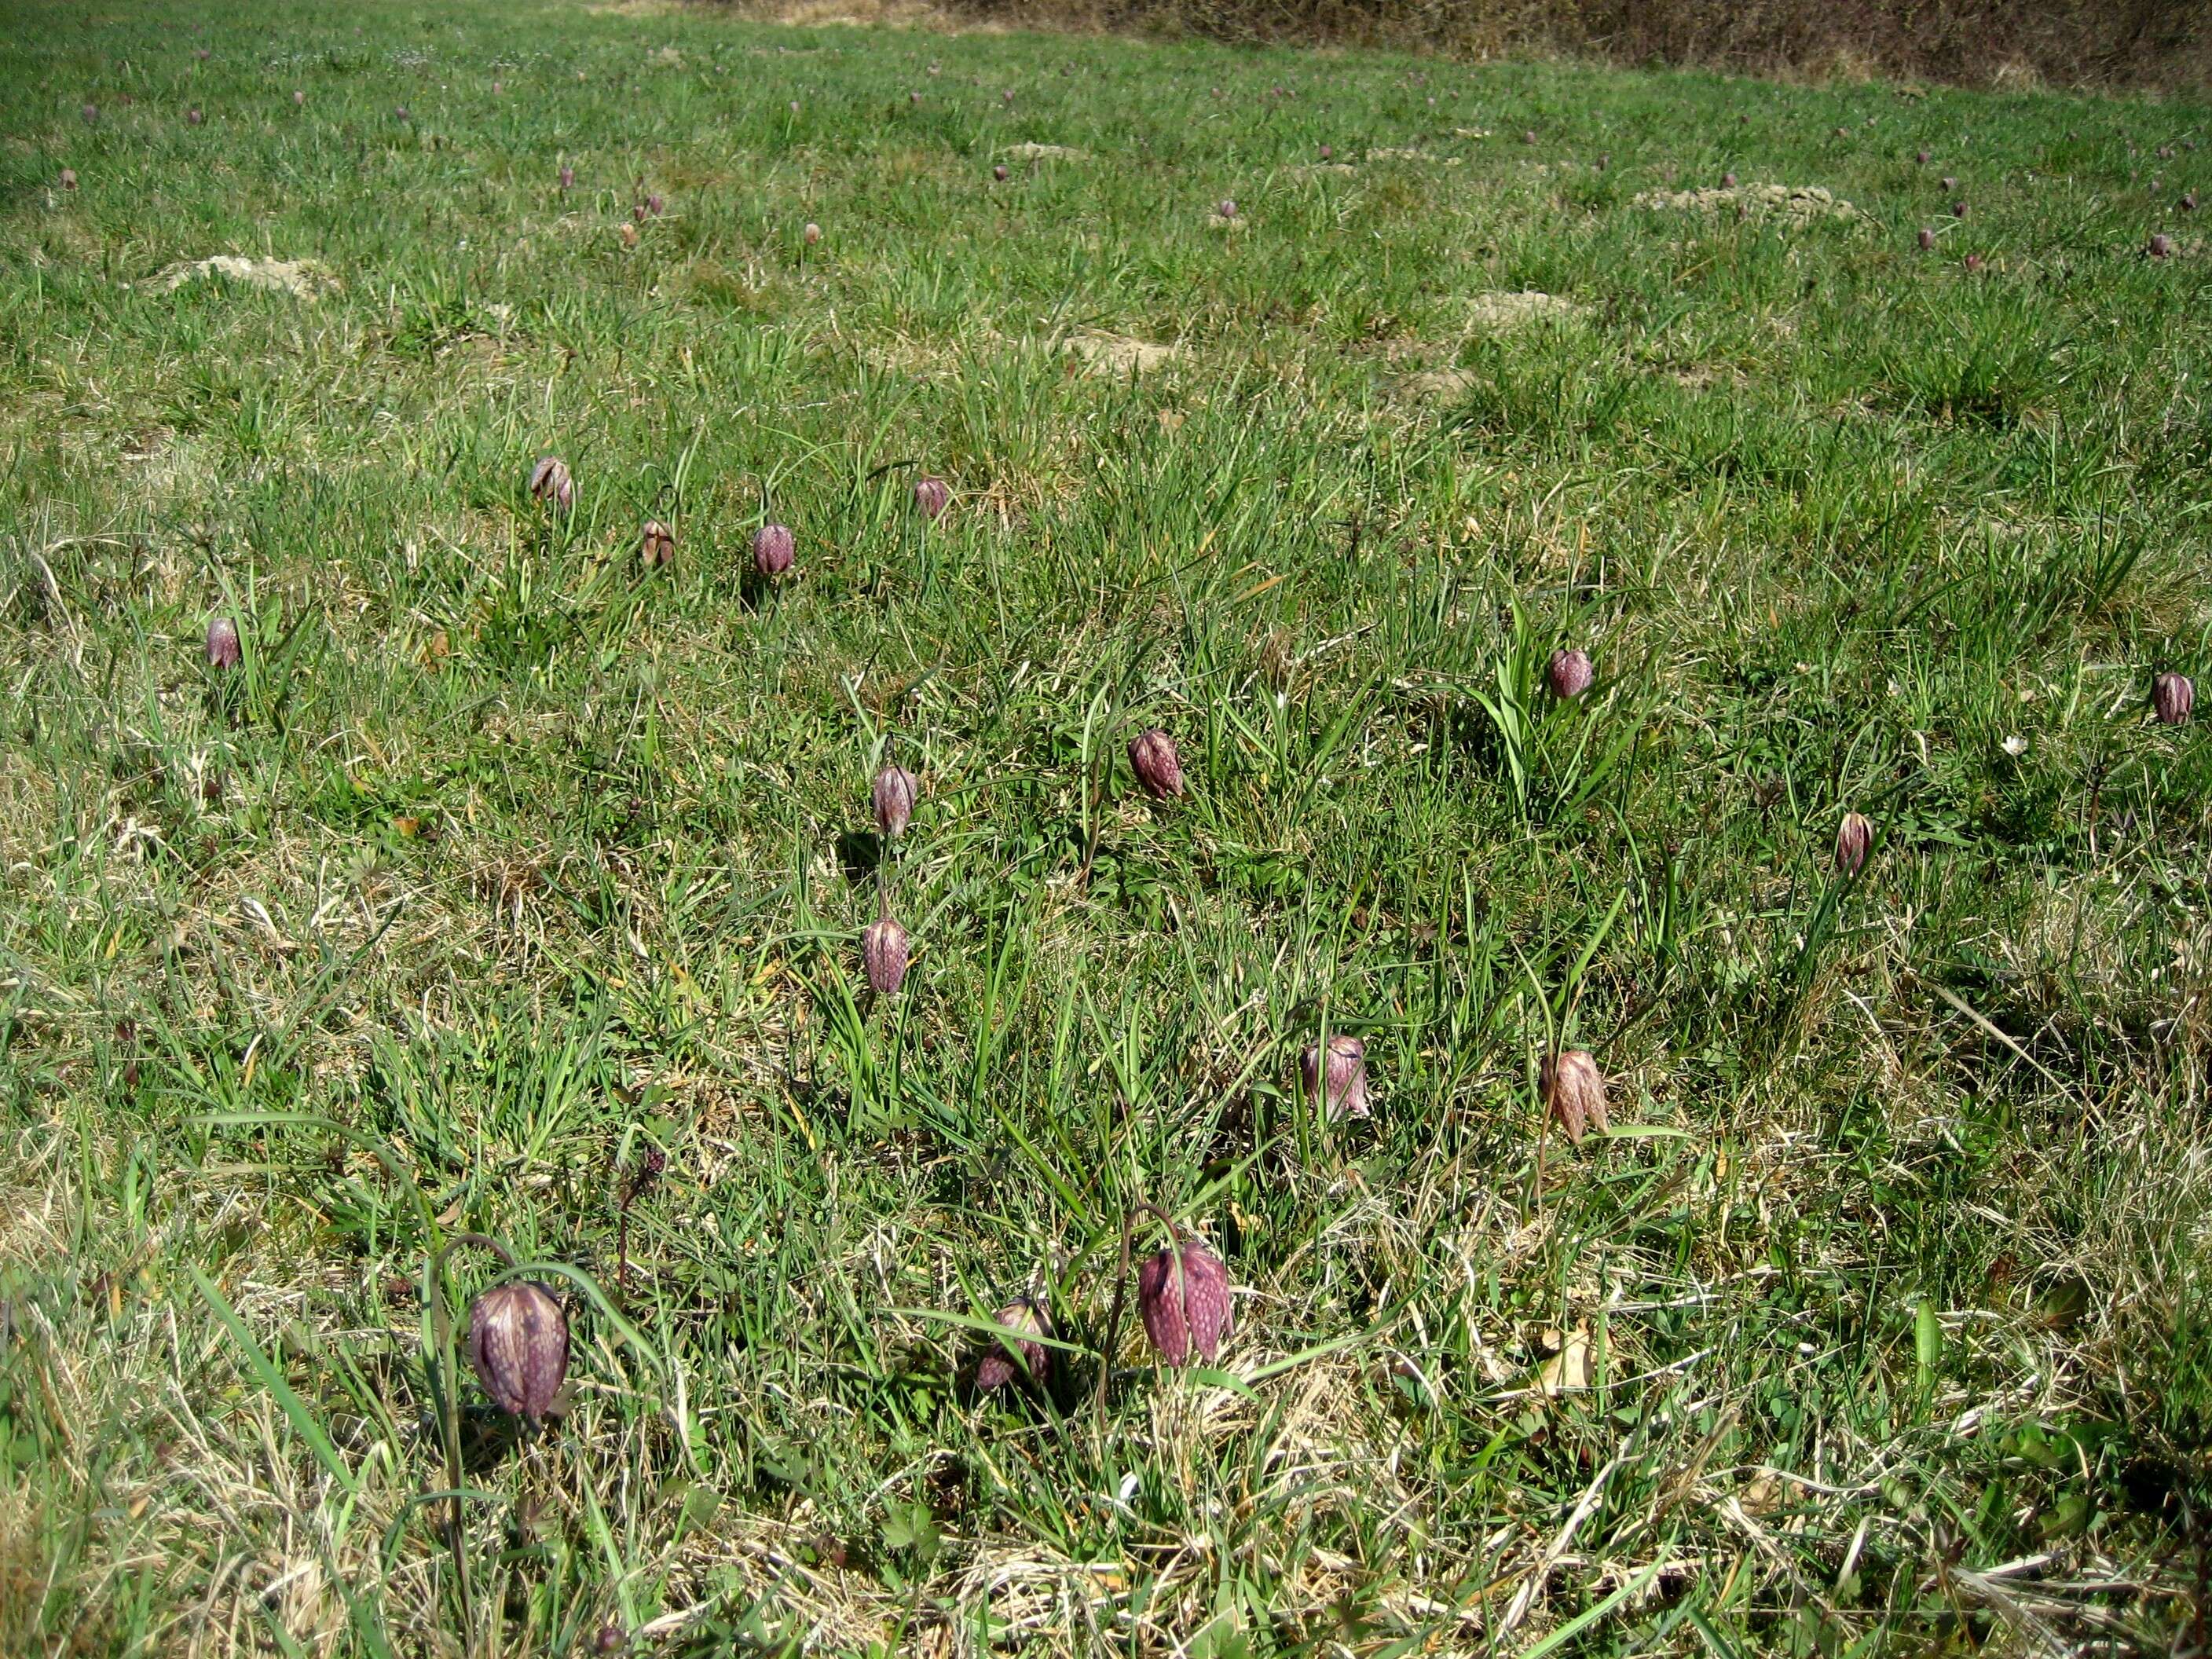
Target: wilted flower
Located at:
point(894, 796)
point(884, 951)
point(519, 1344)
point(1183, 1295)
point(1926, 237)
point(656, 545)
point(550, 483)
point(1569, 673)
point(774, 549)
point(69, 179)
point(1854, 838)
point(998, 1368)
point(2173, 697)
point(932, 496)
point(1347, 1077)
point(1574, 1092)
point(222, 650)
point(1153, 757)
point(811, 233)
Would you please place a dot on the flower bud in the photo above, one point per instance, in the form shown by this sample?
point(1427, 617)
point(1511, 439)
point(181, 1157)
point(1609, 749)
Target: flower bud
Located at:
point(656, 545)
point(550, 483)
point(1187, 1309)
point(884, 952)
point(894, 794)
point(998, 1368)
point(1854, 838)
point(932, 496)
point(1347, 1077)
point(774, 549)
point(519, 1344)
point(1153, 757)
point(2173, 697)
point(222, 650)
point(1569, 673)
point(1574, 1092)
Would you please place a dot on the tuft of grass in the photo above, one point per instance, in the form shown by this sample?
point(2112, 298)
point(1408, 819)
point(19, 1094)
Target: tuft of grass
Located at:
point(502, 866)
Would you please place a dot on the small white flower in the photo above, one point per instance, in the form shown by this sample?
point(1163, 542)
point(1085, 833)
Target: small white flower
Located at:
point(2015, 745)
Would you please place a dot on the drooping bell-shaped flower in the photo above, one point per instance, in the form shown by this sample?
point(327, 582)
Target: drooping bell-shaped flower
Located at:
point(884, 952)
point(2172, 696)
point(893, 796)
point(1574, 1093)
point(1153, 757)
point(1344, 1076)
point(550, 482)
point(2159, 245)
point(1183, 1295)
point(222, 648)
point(518, 1346)
point(1926, 237)
point(998, 1367)
point(810, 233)
point(774, 549)
point(932, 496)
point(1854, 838)
point(656, 545)
point(1569, 672)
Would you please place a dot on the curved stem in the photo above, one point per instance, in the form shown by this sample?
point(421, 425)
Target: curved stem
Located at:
point(441, 1325)
point(1122, 1287)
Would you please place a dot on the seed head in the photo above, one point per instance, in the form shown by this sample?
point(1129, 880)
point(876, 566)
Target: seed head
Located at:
point(811, 233)
point(884, 951)
point(1569, 673)
point(894, 795)
point(2173, 697)
point(550, 483)
point(1346, 1077)
point(1153, 757)
point(1187, 1309)
point(774, 549)
point(932, 496)
point(519, 1344)
point(1574, 1092)
point(1854, 838)
point(222, 651)
point(656, 545)
point(998, 1368)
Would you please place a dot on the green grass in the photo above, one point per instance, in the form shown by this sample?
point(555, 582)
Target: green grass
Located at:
point(500, 862)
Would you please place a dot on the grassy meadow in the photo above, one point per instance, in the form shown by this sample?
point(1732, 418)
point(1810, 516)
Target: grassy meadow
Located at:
point(502, 868)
